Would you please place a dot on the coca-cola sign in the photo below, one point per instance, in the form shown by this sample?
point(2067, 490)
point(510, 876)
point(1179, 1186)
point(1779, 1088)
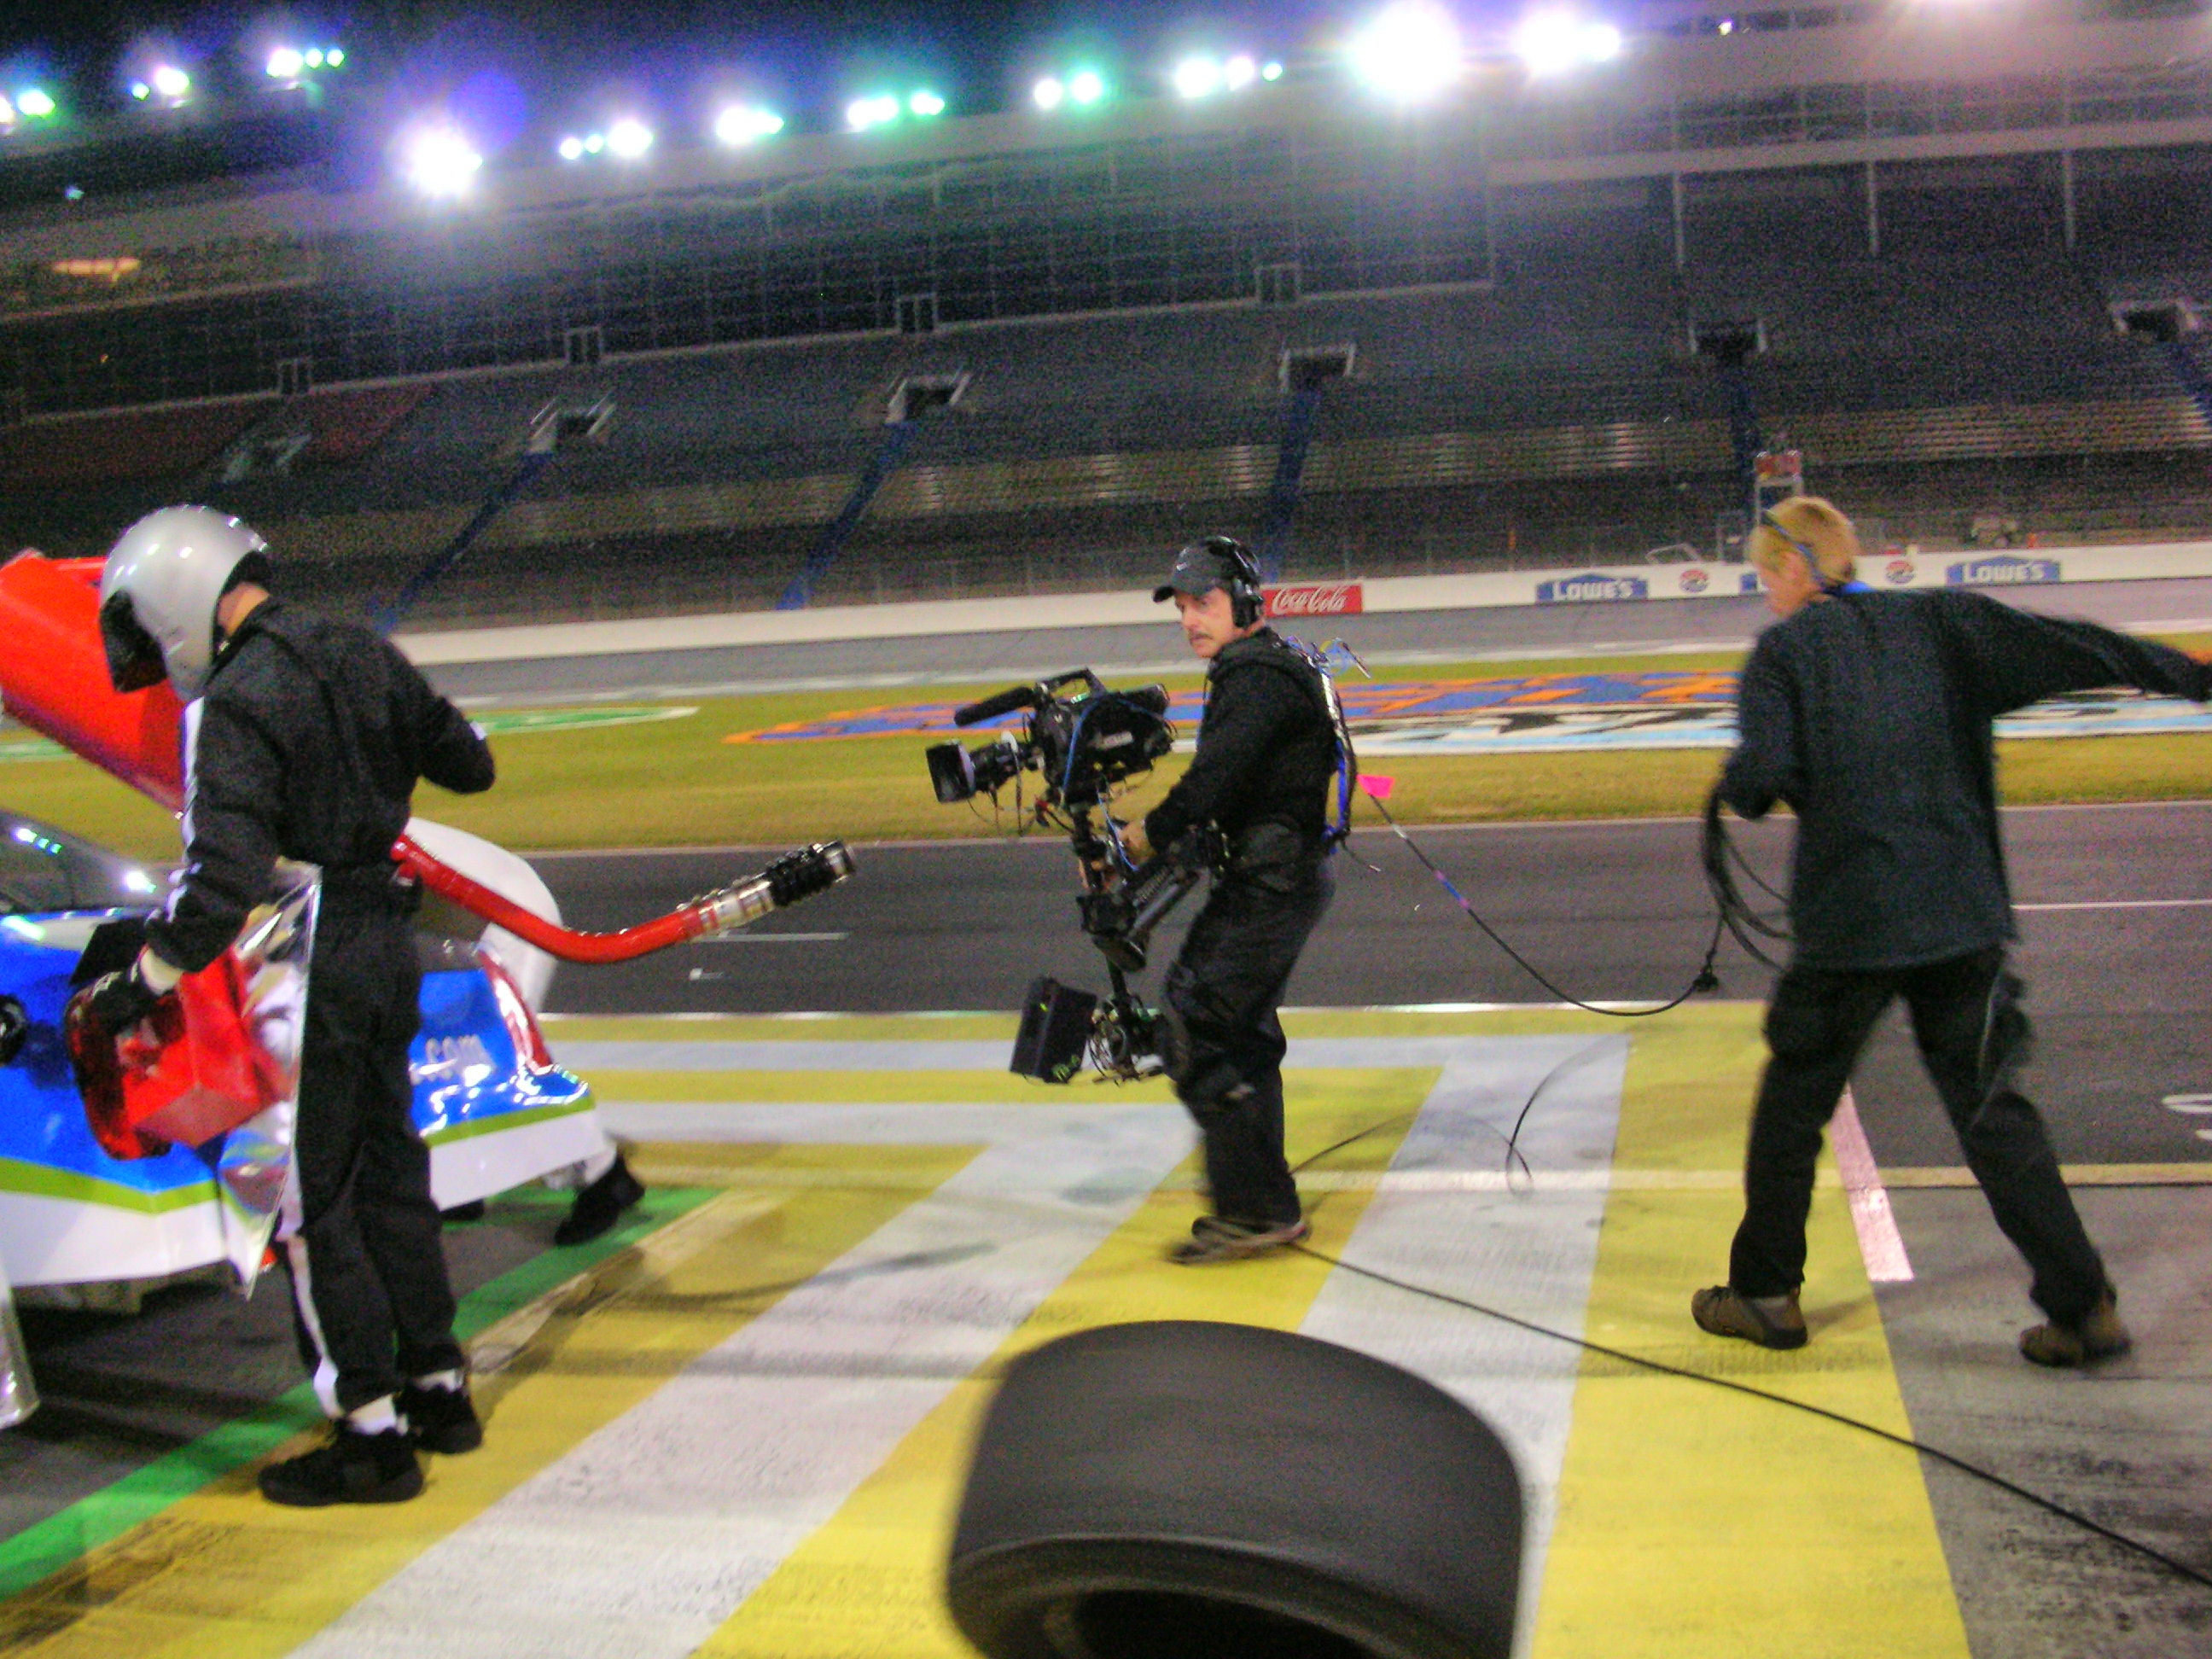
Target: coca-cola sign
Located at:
point(1316, 599)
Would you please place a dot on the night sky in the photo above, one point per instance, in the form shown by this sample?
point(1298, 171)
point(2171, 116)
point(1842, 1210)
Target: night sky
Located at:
point(553, 62)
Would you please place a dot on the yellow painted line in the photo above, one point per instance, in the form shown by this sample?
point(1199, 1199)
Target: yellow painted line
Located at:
point(226, 1575)
point(870, 1580)
point(861, 1088)
point(1696, 1521)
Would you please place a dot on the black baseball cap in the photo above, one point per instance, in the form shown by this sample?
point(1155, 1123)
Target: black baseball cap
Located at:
point(1205, 564)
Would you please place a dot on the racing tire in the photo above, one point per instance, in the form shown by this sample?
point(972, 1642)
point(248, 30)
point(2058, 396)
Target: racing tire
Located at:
point(1180, 1489)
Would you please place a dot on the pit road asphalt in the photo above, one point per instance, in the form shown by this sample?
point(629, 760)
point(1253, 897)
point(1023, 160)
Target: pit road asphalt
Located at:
point(2121, 992)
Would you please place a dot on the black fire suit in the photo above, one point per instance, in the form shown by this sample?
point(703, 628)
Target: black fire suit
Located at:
point(1266, 750)
point(1870, 714)
point(308, 745)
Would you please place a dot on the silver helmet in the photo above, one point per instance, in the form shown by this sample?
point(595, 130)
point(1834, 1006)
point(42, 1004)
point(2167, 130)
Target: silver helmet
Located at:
point(165, 576)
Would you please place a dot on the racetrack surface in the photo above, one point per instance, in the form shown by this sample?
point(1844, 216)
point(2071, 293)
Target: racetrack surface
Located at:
point(1396, 636)
point(2122, 998)
point(850, 1212)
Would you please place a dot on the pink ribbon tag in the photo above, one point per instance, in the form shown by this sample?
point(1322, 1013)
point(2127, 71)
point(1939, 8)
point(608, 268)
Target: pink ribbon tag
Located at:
point(1379, 788)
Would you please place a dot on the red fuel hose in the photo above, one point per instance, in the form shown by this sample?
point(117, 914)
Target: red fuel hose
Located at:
point(792, 878)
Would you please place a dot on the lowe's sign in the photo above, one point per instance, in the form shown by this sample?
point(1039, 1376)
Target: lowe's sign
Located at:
point(1585, 589)
point(1999, 570)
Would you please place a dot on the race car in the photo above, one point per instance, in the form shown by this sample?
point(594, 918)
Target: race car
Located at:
point(490, 1102)
point(168, 1148)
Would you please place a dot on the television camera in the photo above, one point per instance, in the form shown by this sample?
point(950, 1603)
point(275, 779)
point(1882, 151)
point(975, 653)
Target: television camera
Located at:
point(1085, 740)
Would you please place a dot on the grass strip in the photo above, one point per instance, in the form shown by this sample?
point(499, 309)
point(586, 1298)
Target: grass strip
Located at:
point(678, 783)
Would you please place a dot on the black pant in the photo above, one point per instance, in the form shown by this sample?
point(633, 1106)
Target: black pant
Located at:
point(373, 1303)
point(1226, 1043)
point(1972, 1038)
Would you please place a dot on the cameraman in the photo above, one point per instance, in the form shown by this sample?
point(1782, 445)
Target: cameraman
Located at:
point(1869, 714)
point(1267, 752)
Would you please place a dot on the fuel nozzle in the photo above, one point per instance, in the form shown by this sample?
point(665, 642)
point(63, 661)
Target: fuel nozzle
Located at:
point(792, 879)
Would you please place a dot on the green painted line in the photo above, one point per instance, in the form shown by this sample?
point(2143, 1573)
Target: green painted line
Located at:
point(65, 1537)
point(43, 1181)
point(491, 1125)
point(498, 723)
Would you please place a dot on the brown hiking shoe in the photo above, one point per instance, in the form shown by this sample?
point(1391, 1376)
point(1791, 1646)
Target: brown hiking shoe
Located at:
point(2097, 1335)
point(1771, 1321)
point(1214, 1238)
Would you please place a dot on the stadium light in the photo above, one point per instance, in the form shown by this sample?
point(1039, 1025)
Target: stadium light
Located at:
point(35, 102)
point(7, 114)
point(1239, 72)
point(1049, 93)
point(1554, 42)
point(1271, 71)
point(314, 58)
point(880, 109)
point(1409, 52)
point(335, 58)
point(140, 91)
point(630, 138)
point(1197, 77)
point(1085, 87)
point(441, 162)
point(172, 82)
point(285, 64)
point(571, 149)
point(595, 143)
point(743, 124)
point(924, 104)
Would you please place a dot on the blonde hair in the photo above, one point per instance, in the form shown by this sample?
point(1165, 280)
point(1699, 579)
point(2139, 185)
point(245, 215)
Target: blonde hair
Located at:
point(1817, 523)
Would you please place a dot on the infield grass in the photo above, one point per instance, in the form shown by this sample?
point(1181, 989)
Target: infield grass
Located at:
point(678, 782)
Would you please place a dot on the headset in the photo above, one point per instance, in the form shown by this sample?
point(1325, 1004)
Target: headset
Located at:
point(1824, 581)
point(1247, 604)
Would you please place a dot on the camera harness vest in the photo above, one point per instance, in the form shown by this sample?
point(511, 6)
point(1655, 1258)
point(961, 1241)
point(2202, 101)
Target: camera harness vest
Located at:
point(1310, 668)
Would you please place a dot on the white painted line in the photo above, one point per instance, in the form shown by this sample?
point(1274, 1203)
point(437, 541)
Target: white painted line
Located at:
point(591, 1056)
point(1880, 1245)
point(1530, 1254)
point(2122, 905)
point(2192, 1103)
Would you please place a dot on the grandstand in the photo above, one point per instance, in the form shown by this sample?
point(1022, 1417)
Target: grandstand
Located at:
point(1954, 255)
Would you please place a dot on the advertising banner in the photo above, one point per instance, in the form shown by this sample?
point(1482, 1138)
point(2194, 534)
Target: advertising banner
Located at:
point(1316, 599)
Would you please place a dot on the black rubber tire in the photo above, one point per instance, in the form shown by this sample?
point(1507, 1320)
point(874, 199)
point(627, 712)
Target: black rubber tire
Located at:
point(1193, 1490)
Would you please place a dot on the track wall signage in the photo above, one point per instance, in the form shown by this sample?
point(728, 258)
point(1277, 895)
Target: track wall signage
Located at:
point(1316, 600)
point(1483, 590)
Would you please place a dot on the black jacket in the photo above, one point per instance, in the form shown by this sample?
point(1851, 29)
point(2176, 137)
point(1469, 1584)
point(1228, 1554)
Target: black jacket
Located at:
point(1869, 714)
point(306, 745)
point(1265, 749)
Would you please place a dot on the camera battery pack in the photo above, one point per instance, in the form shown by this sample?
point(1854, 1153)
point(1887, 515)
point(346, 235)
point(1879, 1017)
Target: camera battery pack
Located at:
point(1057, 1025)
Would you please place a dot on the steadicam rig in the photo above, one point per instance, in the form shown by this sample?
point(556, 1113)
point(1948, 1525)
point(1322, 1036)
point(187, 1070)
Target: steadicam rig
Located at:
point(791, 879)
point(1086, 743)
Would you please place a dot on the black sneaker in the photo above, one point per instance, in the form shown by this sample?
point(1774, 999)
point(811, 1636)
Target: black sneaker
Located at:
point(441, 1420)
point(600, 1205)
point(1217, 1238)
point(349, 1468)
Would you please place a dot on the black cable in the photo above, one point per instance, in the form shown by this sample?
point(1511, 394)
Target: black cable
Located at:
point(2180, 1570)
point(1704, 979)
point(1736, 914)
